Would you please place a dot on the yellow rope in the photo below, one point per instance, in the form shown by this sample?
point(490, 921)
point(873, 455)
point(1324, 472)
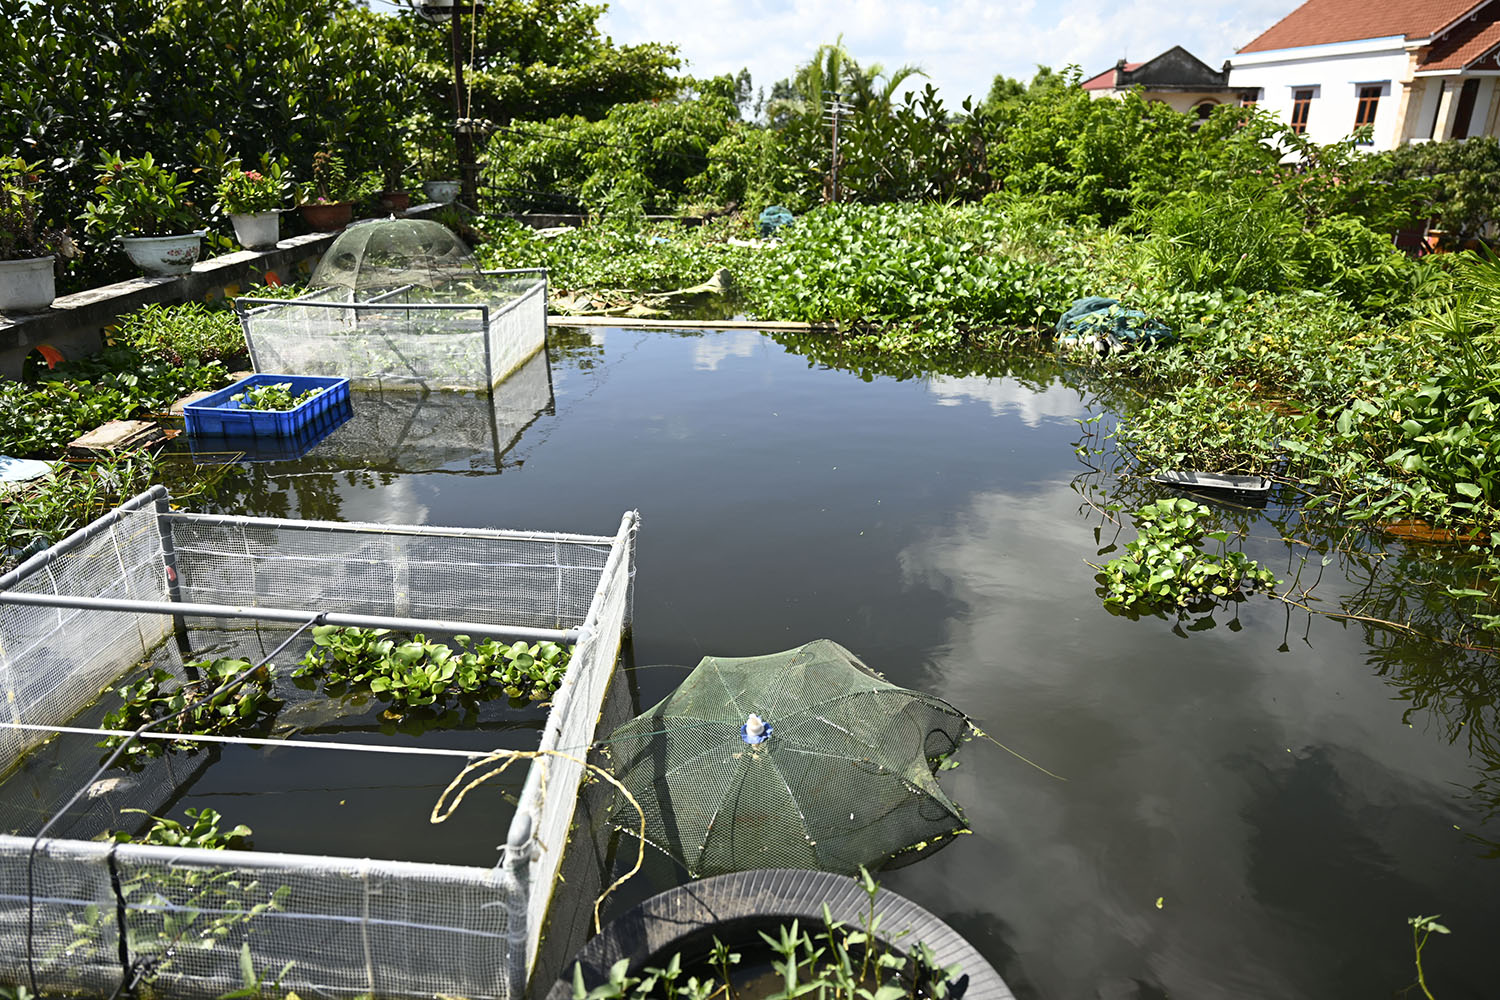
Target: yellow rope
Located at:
point(508, 757)
point(984, 735)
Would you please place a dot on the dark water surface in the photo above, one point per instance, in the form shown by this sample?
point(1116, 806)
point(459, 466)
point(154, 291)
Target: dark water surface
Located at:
point(1252, 809)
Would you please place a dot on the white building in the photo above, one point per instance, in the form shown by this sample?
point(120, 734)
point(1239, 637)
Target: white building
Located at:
point(1414, 69)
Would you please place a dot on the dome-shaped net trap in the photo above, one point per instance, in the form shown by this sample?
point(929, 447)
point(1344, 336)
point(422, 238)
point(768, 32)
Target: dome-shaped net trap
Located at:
point(373, 258)
point(401, 303)
point(800, 759)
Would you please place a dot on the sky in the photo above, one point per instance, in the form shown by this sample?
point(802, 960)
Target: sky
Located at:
point(960, 44)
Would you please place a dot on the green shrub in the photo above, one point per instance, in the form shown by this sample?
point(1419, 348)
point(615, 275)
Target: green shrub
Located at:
point(1201, 241)
point(1459, 181)
point(183, 333)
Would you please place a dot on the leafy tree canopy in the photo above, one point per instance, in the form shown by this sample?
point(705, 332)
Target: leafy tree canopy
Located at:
point(536, 59)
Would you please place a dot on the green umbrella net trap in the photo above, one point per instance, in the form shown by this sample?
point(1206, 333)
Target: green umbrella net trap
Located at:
point(801, 759)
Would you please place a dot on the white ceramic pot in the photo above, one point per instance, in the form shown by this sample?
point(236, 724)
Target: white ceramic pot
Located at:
point(442, 192)
point(162, 255)
point(258, 230)
point(27, 285)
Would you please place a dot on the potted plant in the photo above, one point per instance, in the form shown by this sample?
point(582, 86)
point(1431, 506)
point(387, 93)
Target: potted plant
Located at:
point(27, 282)
point(327, 204)
point(252, 200)
point(148, 209)
point(435, 149)
point(394, 165)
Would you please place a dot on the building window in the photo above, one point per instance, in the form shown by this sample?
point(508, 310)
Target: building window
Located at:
point(1465, 109)
point(1301, 103)
point(1201, 112)
point(1364, 112)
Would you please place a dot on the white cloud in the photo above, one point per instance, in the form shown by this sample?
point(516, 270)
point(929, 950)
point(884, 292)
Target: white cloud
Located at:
point(709, 352)
point(1055, 403)
point(961, 44)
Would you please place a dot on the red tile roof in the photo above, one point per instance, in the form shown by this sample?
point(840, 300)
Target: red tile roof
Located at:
point(1319, 22)
point(1464, 44)
point(1106, 80)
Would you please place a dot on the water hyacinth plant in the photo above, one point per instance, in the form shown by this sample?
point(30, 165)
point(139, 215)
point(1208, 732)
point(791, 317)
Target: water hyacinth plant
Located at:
point(415, 671)
point(1164, 567)
point(276, 396)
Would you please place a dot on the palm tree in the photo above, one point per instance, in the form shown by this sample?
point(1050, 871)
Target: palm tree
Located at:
point(833, 69)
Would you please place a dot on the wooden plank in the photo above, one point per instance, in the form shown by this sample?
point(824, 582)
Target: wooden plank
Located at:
point(692, 324)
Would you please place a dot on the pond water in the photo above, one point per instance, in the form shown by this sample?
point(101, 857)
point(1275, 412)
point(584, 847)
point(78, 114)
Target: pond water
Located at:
point(1255, 801)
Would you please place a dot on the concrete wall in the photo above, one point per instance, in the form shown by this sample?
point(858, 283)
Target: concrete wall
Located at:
point(75, 323)
point(1336, 73)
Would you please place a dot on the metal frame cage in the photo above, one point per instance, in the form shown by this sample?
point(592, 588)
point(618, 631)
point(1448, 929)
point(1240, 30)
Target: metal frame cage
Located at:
point(461, 335)
point(85, 916)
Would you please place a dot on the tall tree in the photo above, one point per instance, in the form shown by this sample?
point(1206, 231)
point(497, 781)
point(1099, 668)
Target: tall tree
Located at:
point(536, 59)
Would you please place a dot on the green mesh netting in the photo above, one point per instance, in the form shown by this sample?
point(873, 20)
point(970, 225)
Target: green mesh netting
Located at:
point(373, 258)
point(845, 777)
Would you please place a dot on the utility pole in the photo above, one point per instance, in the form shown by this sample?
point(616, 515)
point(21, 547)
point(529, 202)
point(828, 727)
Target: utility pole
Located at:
point(463, 134)
point(438, 11)
point(834, 111)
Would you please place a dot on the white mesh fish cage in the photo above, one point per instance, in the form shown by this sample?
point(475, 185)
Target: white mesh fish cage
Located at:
point(467, 333)
point(89, 916)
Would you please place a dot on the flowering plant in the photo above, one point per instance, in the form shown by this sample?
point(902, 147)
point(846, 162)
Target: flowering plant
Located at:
point(139, 197)
point(330, 182)
point(246, 192)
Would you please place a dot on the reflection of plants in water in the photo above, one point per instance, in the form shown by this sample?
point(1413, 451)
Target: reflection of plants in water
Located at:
point(574, 344)
point(860, 356)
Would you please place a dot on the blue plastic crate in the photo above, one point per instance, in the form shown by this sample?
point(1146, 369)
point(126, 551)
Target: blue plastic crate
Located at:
point(217, 449)
point(218, 415)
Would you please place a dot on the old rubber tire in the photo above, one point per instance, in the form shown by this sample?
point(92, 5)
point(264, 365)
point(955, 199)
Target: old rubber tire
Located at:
point(733, 907)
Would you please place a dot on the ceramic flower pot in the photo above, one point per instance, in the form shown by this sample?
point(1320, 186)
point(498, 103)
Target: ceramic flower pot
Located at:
point(163, 255)
point(442, 192)
point(395, 201)
point(27, 285)
point(328, 217)
point(257, 230)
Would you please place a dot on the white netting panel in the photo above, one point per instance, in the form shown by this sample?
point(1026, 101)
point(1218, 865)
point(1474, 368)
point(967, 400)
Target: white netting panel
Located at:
point(409, 337)
point(500, 578)
point(403, 430)
point(339, 927)
point(552, 787)
point(55, 660)
point(514, 327)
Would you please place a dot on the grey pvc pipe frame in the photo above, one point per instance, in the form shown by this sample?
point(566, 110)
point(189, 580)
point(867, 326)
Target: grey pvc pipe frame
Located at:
point(180, 609)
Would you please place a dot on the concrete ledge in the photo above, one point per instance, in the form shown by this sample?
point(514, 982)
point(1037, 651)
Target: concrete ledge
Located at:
point(75, 323)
